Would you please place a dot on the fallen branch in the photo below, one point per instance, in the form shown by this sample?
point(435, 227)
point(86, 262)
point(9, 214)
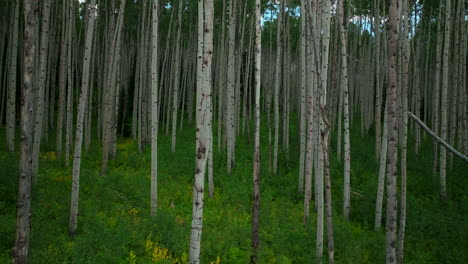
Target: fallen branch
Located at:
point(437, 138)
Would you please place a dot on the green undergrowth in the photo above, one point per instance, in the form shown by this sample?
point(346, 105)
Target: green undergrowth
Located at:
point(115, 226)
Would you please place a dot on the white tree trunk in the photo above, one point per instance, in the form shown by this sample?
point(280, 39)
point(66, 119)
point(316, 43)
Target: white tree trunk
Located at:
point(277, 85)
point(444, 100)
point(177, 69)
point(392, 126)
point(230, 98)
point(42, 82)
point(23, 212)
point(381, 180)
point(154, 107)
point(256, 165)
point(75, 191)
point(204, 132)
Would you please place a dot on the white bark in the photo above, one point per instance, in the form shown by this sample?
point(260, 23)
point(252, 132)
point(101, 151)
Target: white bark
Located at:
point(256, 165)
point(347, 141)
point(154, 107)
point(230, 98)
point(177, 69)
point(302, 122)
point(204, 130)
point(75, 191)
point(23, 212)
point(42, 82)
point(277, 85)
point(444, 100)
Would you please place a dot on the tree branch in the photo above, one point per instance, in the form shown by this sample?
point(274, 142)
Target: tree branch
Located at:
point(437, 138)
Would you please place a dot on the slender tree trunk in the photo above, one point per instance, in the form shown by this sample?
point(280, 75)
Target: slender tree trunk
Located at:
point(277, 85)
point(302, 122)
point(42, 82)
point(392, 95)
point(230, 102)
point(23, 217)
point(11, 93)
point(204, 126)
point(256, 165)
point(381, 181)
point(177, 69)
point(436, 104)
point(154, 107)
point(347, 141)
point(62, 81)
point(310, 126)
point(75, 191)
point(404, 136)
point(444, 100)
point(378, 94)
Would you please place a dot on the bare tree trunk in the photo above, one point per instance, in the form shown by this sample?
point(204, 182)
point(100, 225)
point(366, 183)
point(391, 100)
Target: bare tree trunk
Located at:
point(11, 93)
point(277, 85)
point(345, 89)
point(404, 136)
point(382, 171)
point(256, 165)
point(42, 82)
point(154, 107)
point(75, 191)
point(444, 100)
point(230, 98)
point(302, 122)
point(436, 104)
point(69, 116)
point(23, 217)
point(378, 94)
point(392, 95)
point(204, 129)
point(62, 81)
point(177, 69)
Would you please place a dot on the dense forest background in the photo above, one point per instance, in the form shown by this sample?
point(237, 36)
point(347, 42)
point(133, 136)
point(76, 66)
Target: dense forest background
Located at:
point(286, 131)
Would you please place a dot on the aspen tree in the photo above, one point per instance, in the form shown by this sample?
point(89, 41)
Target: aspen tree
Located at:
point(256, 164)
point(69, 72)
point(23, 217)
point(11, 93)
point(75, 190)
point(277, 85)
point(392, 126)
point(302, 122)
point(62, 80)
point(38, 125)
point(230, 95)
point(154, 106)
point(404, 135)
point(204, 126)
point(323, 139)
point(309, 155)
point(177, 69)
point(381, 180)
point(221, 78)
point(436, 103)
point(345, 90)
point(444, 100)
point(378, 94)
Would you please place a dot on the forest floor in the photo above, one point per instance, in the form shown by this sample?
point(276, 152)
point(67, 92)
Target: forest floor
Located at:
point(115, 226)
